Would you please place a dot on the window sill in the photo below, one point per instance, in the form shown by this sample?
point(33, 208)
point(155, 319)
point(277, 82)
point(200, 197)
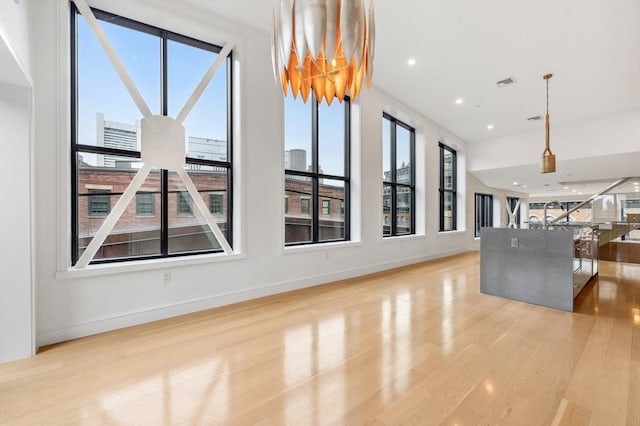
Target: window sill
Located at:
point(404, 237)
point(451, 233)
point(146, 265)
point(319, 247)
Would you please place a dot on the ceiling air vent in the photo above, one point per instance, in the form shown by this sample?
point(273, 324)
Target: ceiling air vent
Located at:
point(506, 82)
point(535, 118)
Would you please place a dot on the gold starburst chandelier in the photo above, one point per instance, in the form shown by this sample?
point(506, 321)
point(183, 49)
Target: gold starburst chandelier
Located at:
point(324, 45)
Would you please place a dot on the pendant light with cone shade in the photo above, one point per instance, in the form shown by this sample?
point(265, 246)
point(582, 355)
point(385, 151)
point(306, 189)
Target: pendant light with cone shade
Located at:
point(323, 45)
point(548, 161)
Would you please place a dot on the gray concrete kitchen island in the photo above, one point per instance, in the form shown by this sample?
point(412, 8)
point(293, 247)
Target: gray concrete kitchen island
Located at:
point(546, 267)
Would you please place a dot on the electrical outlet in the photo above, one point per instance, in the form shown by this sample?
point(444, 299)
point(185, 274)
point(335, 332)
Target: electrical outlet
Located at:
point(514, 242)
point(166, 277)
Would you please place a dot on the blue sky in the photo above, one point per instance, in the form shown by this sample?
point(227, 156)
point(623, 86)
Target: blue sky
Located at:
point(100, 90)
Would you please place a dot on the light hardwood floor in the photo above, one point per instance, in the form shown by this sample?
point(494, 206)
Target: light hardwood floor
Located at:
point(413, 346)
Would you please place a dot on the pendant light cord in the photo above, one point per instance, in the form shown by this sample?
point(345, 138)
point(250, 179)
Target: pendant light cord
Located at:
point(547, 96)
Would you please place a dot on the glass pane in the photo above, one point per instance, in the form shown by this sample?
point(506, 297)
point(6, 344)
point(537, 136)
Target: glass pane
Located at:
point(403, 210)
point(403, 155)
point(297, 134)
point(386, 150)
point(297, 219)
point(386, 209)
point(448, 211)
point(331, 140)
point(107, 116)
point(331, 214)
point(447, 169)
point(206, 124)
point(583, 214)
point(188, 229)
point(101, 182)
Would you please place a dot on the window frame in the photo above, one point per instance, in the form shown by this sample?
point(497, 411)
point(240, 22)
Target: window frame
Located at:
point(164, 37)
point(216, 196)
point(150, 194)
point(453, 191)
point(183, 198)
point(393, 183)
point(486, 217)
point(326, 209)
point(99, 196)
point(316, 177)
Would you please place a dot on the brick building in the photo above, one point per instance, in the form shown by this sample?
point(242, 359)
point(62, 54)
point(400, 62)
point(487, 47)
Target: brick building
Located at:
point(137, 232)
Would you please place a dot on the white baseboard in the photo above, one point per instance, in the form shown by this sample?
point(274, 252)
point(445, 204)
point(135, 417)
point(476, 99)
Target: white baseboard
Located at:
point(114, 322)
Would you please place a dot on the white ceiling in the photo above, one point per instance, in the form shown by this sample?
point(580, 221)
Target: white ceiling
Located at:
point(462, 48)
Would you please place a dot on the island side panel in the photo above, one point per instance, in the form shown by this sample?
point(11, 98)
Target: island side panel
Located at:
point(539, 270)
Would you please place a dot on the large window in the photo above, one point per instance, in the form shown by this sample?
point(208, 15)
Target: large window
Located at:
point(106, 145)
point(398, 177)
point(484, 212)
point(316, 162)
point(448, 194)
point(555, 209)
point(512, 202)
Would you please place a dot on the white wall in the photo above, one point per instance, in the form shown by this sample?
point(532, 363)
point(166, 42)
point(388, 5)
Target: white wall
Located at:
point(594, 137)
point(500, 218)
point(73, 304)
point(16, 335)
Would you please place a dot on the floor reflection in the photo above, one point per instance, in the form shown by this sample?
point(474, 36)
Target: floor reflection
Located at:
point(174, 397)
point(404, 347)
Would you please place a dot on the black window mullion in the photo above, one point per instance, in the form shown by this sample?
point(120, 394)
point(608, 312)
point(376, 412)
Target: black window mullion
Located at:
point(394, 211)
point(74, 135)
point(315, 168)
point(454, 193)
point(229, 64)
point(164, 212)
point(394, 172)
point(347, 171)
point(476, 231)
point(412, 156)
point(441, 215)
point(164, 174)
point(164, 77)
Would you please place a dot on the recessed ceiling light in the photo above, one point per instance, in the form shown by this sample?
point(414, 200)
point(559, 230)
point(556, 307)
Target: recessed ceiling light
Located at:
point(573, 190)
point(411, 62)
point(580, 193)
point(459, 101)
point(636, 183)
point(515, 184)
point(566, 187)
point(524, 186)
point(490, 127)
